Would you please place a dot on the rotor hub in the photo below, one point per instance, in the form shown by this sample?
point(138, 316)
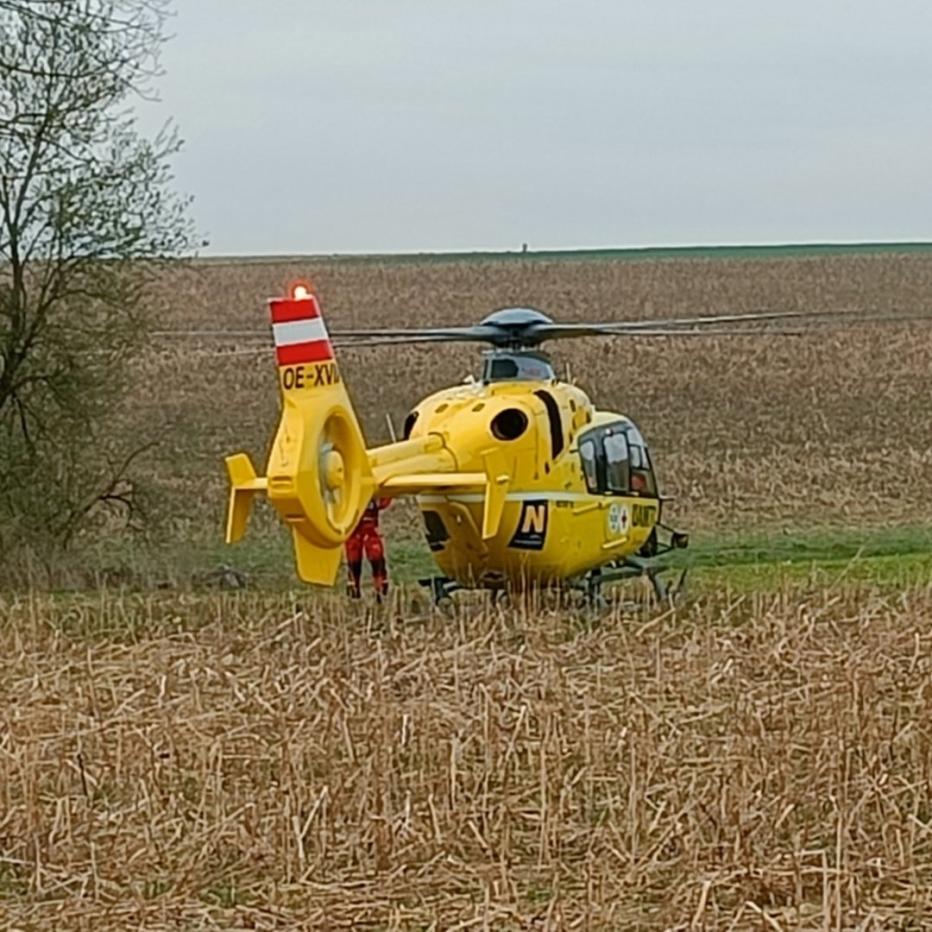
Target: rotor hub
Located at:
point(334, 470)
point(516, 318)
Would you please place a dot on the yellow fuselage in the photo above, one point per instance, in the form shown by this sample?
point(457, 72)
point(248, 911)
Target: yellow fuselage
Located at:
point(555, 524)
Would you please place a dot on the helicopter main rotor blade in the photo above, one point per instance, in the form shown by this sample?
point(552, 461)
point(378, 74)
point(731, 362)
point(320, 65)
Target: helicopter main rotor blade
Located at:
point(539, 331)
point(475, 334)
point(536, 332)
point(342, 343)
point(209, 334)
point(533, 333)
point(812, 321)
point(645, 332)
point(607, 328)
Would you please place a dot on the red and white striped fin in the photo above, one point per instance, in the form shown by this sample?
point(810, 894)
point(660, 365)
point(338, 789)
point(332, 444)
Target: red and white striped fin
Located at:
point(299, 331)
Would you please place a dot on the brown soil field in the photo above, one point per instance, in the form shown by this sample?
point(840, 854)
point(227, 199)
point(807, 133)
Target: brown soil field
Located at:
point(831, 428)
point(171, 762)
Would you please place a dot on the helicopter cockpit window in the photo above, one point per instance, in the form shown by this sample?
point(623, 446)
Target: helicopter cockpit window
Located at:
point(588, 453)
point(642, 475)
point(616, 463)
point(502, 369)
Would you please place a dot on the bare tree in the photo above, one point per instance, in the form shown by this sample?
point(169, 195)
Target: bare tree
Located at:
point(86, 215)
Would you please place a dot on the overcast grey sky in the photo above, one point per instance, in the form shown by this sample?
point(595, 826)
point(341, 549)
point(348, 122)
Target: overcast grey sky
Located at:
point(397, 125)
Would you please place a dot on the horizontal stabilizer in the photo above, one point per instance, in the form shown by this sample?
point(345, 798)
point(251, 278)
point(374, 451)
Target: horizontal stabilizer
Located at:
point(494, 482)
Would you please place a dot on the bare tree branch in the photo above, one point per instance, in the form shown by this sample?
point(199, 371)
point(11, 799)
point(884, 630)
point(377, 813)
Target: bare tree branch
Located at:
point(86, 211)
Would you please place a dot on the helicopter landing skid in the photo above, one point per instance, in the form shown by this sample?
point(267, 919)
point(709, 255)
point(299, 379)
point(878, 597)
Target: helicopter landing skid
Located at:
point(442, 588)
point(633, 567)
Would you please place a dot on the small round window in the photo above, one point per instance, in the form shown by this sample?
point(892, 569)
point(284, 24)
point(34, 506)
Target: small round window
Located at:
point(509, 424)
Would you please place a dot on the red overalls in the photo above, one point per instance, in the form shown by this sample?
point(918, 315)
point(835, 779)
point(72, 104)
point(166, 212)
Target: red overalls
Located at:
point(366, 539)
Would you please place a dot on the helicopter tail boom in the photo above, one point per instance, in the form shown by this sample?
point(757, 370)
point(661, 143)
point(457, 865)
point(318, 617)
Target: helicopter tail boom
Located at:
point(493, 481)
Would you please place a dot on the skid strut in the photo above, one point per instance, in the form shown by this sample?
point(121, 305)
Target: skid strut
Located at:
point(441, 588)
point(632, 568)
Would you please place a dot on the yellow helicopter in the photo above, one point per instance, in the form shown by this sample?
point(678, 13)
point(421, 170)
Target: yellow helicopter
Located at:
point(520, 479)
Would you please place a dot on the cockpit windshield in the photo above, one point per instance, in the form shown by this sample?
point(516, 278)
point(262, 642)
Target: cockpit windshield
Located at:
point(503, 367)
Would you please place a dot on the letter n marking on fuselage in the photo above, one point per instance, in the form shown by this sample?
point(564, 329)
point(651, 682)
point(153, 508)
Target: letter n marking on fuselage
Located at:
point(531, 532)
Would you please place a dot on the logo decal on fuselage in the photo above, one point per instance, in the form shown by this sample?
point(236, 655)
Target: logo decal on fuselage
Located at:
point(617, 520)
point(531, 532)
point(644, 515)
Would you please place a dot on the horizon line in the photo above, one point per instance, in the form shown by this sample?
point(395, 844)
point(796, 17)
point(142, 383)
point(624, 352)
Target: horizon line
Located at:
point(736, 249)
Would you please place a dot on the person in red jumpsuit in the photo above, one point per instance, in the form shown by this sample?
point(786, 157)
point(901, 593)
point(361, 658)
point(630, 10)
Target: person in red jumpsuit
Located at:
point(366, 539)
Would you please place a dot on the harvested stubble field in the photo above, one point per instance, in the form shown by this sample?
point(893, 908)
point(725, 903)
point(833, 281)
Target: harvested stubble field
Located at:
point(760, 759)
point(748, 432)
point(269, 762)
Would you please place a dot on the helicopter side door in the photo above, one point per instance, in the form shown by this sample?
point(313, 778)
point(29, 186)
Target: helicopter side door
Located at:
point(618, 471)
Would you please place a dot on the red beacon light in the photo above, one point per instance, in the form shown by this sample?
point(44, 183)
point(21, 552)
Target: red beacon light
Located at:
point(301, 290)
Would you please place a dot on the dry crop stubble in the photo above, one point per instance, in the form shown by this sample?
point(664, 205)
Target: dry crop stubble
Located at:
point(259, 761)
point(759, 760)
point(827, 428)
